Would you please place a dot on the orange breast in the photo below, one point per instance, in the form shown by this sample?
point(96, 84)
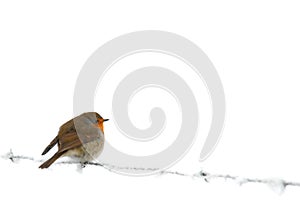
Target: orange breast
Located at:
point(100, 125)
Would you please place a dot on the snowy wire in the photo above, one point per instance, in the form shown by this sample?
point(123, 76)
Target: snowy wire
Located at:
point(278, 185)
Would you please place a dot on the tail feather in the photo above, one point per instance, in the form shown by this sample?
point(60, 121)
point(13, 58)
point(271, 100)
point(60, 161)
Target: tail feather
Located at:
point(50, 161)
point(52, 143)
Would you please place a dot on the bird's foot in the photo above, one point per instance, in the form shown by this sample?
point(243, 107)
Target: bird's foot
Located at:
point(83, 164)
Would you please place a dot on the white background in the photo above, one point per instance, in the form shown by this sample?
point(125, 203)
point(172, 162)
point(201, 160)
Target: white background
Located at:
point(254, 46)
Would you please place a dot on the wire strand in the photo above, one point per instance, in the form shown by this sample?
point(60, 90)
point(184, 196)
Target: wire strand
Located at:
point(206, 176)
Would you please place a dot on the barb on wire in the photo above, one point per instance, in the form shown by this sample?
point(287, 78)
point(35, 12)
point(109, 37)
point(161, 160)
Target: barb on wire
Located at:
point(14, 158)
point(278, 185)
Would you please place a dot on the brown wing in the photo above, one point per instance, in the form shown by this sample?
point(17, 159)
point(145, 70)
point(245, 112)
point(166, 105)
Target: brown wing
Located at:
point(69, 141)
point(73, 139)
point(67, 128)
point(80, 130)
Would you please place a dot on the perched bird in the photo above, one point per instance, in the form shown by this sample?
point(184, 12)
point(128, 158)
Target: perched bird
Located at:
point(81, 137)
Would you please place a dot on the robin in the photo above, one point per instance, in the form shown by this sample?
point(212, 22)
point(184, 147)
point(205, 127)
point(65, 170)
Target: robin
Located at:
point(81, 137)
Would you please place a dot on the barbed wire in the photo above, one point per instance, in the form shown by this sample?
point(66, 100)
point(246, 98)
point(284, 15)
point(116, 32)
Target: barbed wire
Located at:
point(278, 185)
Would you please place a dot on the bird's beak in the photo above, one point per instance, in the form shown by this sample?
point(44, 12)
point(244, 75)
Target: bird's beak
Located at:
point(105, 120)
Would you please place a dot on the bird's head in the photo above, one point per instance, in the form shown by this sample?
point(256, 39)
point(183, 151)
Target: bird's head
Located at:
point(100, 122)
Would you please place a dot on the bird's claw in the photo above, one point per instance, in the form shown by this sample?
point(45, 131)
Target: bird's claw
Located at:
point(83, 164)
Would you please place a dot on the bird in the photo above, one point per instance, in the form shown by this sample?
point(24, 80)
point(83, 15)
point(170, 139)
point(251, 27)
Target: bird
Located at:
point(81, 138)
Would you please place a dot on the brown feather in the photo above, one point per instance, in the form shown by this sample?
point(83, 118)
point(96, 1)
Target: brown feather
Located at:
point(50, 161)
point(52, 144)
